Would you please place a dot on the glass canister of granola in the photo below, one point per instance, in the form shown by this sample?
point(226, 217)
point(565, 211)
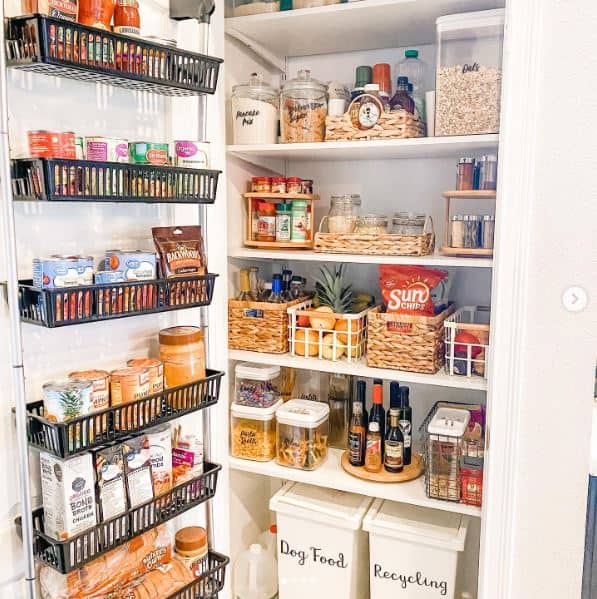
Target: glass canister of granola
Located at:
point(253, 432)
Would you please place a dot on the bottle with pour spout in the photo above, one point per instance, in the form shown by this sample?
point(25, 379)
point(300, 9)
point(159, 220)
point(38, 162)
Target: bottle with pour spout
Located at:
point(256, 574)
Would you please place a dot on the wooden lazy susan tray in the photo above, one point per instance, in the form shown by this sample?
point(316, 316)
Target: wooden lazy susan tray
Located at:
point(410, 472)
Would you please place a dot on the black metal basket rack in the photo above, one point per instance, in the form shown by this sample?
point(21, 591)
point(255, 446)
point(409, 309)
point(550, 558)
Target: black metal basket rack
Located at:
point(64, 180)
point(64, 49)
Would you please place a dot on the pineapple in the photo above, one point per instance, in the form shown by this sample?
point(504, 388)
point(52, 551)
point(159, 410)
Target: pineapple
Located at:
point(331, 290)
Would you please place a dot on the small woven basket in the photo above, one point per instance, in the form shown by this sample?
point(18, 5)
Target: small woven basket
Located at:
point(259, 326)
point(391, 125)
point(405, 342)
point(389, 244)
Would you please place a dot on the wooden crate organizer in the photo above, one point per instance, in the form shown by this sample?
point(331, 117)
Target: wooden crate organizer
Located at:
point(391, 125)
point(377, 245)
point(405, 342)
point(259, 326)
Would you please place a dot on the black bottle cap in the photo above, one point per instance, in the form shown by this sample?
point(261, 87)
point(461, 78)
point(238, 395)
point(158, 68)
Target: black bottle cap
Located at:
point(394, 394)
point(361, 390)
point(378, 381)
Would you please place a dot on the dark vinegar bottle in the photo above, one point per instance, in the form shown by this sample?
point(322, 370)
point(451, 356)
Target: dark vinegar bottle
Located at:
point(394, 453)
point(406, 424)
point(357, 432)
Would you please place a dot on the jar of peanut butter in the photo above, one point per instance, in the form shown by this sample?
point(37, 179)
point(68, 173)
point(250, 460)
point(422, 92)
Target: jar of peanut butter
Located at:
point(182, 350)
point(190, 545)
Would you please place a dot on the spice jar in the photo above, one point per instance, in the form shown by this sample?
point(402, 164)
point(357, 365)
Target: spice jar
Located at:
point(254, 112)
point(278, 185)
point(190, 546)
point(294, 185)
point(488, 231)
point(283, 222)
point(266, 222)
point(299, 221)
point(343, 215)
point(182, 350)
point(488, 172)
point(466, 173)
point(302, 434)
point(457, 231)
point(303, 109)
point(261, 184)
point(253, 432)
point(372, 224)
point(256, 385)
point(408, 223)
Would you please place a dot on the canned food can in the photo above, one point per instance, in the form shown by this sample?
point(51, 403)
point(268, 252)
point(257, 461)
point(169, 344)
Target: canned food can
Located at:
point(128, 385)
point(55, 272)
point(144, 152)
point(43, 144)
point(191, 154)
point(106, 149)
point(67, 145)
point(137, 265)
point(156, 372)
point(100, 386)
point(103, 277)
point(85, 270)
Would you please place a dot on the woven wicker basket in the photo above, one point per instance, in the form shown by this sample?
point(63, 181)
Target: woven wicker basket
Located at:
point(259, 326)
point(377, 245)
point(404, 342)
point(391, 125)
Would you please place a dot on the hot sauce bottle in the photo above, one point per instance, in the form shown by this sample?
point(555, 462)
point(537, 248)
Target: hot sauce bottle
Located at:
point(126, 17)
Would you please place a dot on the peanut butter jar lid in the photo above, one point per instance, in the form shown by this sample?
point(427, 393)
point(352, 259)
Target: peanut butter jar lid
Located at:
point(191, 539)
point(180, 335)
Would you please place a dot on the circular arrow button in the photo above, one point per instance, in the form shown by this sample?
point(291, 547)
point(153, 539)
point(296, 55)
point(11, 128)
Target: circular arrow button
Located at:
point(575, 299)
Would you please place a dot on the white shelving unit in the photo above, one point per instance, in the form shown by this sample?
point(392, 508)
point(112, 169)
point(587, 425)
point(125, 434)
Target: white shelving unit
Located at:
point(330, 474)
point(360, 369)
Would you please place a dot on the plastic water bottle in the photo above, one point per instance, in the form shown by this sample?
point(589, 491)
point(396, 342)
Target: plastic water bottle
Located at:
point(415, 69)
point(256, 574)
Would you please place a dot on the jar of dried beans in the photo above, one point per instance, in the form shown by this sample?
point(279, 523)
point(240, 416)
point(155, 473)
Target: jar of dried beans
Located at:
point(303, 109)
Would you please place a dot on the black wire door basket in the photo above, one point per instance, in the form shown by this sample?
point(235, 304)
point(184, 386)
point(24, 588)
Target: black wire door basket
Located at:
point(66, 556)
point(90, 303)
point(209, 584)
point(64, 49)
point(118, 423)
point(65, 180)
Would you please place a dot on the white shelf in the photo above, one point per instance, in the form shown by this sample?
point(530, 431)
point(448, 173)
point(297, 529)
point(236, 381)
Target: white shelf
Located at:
point(420, 147)
point(331, 475)
point(360, 369)
point(311, 256)
point(341, 27)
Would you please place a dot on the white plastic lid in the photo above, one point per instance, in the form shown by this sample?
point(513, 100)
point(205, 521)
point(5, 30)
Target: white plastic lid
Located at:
point(471, 20)
point(417, 524)
point(449, 422)
point(329, 506)
point(303, 412)
point(255, 413)
point(256, 372)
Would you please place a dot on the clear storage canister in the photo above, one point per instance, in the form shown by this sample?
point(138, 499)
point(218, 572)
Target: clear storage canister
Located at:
point(257, 385)
point(243, 8)
point(255, 112)
point(253, 432)
point(469, 73)
point(408, 223)
point(303, 108)
point(302, 428)
point(344, 213)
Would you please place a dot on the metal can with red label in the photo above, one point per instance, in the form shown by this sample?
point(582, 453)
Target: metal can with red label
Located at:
point(43, 144)
point(145, 152)
point(67, 145)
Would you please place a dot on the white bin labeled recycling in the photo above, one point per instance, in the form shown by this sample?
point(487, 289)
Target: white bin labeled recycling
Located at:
point(322, 549)
point(413, 551)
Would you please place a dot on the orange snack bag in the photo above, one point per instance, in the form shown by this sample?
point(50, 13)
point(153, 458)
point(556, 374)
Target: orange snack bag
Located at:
point(407, 289)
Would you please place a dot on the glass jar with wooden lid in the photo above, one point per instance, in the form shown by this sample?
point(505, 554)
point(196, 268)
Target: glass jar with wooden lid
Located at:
point(190, 545)
point(182, 350)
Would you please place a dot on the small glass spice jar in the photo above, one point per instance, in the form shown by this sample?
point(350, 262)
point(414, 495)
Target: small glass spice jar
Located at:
point(466, 173)
point(190, 545)
point(261, 184)
point(372, 224)
point(278, 185)
point(488, 172)
point(307, 186)
point(182, 350)
point(457, 231)
point(294, 185)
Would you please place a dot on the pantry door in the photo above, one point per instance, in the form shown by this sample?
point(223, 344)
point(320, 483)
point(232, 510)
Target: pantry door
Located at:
point(544, 305)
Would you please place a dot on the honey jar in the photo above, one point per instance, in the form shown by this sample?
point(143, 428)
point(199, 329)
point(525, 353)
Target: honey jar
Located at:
point(182, 350)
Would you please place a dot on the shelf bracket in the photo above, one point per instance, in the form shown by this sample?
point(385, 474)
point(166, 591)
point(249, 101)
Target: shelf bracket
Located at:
point(256, 47)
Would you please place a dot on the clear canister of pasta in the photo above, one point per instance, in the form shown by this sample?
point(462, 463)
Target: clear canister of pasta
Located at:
point(182, 350)
point(303, 109)
point(253, 432)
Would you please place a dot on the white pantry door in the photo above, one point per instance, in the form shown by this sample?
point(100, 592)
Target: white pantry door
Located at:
point(544, 365)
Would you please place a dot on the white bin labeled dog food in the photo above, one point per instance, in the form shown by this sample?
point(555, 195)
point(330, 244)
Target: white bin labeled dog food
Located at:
point(322, 549)
point(413, 550)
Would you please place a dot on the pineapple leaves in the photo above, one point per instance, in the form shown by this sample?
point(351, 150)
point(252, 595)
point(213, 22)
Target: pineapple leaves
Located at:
point(332, 290)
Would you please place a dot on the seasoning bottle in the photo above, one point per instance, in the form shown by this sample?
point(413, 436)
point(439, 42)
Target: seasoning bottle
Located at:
point(488, 231)
point(457, 231)
point(190, 545)
point(357, 432)
point(266, 222)
point(299, 221)
point(394, 445)
point(364, 75)
point(383, 77)
point(245, 287)
point(488, 172)
point(283, 222)
point(377, 410)
point(126, 17)
point(406, 424)
point(466, 169)
point(373, 454)
point(402, 99)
